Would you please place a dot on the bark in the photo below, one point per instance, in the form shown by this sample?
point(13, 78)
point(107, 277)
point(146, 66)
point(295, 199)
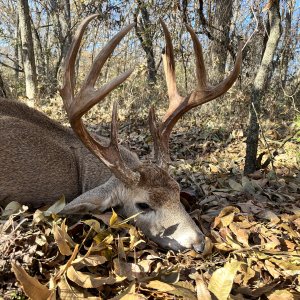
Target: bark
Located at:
point(39, 55)
point(145, 35)
point(287, 52)
point(27, 49)
point(16, 50)
point(3, 93)
point(61, 18)
point(221, 24)
point(259, 86)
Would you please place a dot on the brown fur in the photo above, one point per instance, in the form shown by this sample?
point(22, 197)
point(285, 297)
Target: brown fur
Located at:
point(41, 160)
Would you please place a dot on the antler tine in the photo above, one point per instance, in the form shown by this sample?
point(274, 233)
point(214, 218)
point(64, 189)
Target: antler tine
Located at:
point(178, 105)
point(114, 127)
point(169, 65)
point(69, 72)
point(87, 97)
point(227, 83)
point(103, 55)
point(160, 141)
point(200, 66)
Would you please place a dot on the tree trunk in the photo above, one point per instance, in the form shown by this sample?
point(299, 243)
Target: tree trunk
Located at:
point(221, 22)
point(3, 93)
point(145, 35)
point(61, 18)
point(17, 55)
point(39, 55)
point(259, 86)
point(27, 49)
point(287, 52)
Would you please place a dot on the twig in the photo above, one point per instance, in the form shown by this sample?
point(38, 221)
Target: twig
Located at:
point(8, 66)
point(254, 31)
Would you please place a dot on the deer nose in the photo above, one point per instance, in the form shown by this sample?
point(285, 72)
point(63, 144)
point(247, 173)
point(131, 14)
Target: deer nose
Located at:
point(199, 247)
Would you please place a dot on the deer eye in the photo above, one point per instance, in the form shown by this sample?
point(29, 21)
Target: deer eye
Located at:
point(143, 206)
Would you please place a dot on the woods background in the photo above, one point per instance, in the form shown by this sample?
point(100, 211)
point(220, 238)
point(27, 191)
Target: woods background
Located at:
point(251, 223)
point(35, 36)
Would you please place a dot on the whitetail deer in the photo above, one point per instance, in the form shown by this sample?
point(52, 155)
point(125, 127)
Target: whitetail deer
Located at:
point(41, 160)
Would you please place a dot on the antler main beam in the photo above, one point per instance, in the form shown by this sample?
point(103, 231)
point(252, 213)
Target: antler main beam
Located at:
point(179, 105)
point(77, 105)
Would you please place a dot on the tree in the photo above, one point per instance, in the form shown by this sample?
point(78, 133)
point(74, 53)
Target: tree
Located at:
point(145, 34)
point(287, 52)
point(2, 88)
point(220, 44)
point(259, 86)
point(27, 49)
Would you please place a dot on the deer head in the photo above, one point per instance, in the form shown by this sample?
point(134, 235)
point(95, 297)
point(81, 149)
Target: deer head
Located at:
point(148, 189)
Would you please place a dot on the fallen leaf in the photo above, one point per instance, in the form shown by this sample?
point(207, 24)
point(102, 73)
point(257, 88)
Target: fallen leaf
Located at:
point(201, 287)
point(11, 208)
point(171, 289)
point(88, 280)
point(221, 280)
point(60, 236)
point(57, 207)
point(281, 295)
point(31, 286)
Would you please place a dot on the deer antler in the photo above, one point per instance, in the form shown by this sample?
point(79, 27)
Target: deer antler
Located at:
point(179, 105)
point(77, 105)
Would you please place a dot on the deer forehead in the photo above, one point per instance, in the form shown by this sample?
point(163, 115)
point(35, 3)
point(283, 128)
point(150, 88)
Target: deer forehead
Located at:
point(152, 176)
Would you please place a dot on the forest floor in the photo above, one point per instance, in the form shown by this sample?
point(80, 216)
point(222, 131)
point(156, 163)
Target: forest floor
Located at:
point(251, 224)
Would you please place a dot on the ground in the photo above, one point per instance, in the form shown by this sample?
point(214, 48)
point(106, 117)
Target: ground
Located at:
point(252, 228)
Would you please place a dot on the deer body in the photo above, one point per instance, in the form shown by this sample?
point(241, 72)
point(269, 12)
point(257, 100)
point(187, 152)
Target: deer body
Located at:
point(40, 160)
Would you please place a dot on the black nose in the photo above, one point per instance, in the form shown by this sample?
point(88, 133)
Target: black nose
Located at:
point(199, 247)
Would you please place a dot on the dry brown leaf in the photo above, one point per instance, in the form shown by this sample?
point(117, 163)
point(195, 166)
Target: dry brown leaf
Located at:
point(289, 268)
point(129, 294)
point(113, 219)
point(272, 269)
point(129, 270)
point(93, 224)
point(297, 222)
point(214, 168)
point(88, 280)
point(226, 216)
point(67, 265)
point(249, 273)
point(145, 265)
point(31, 286)
point(11, 208)
point(221, 280)
point(235, 185)
point(201, 287)
point(61, 237)
point(250, 207)
point(57, 207)
point(172, 289)
point(281, 295)
point(242, 235)
point(91, 260)
point(270, 216)
point(71, 292)
point(208, 247)
point(290, 231)
point(290, 245)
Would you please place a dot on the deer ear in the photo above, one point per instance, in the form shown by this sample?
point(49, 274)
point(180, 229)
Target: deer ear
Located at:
point(96, 200)
point(79, 208)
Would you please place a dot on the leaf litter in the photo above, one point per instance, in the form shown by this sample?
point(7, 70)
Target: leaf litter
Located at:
point(252, 228)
